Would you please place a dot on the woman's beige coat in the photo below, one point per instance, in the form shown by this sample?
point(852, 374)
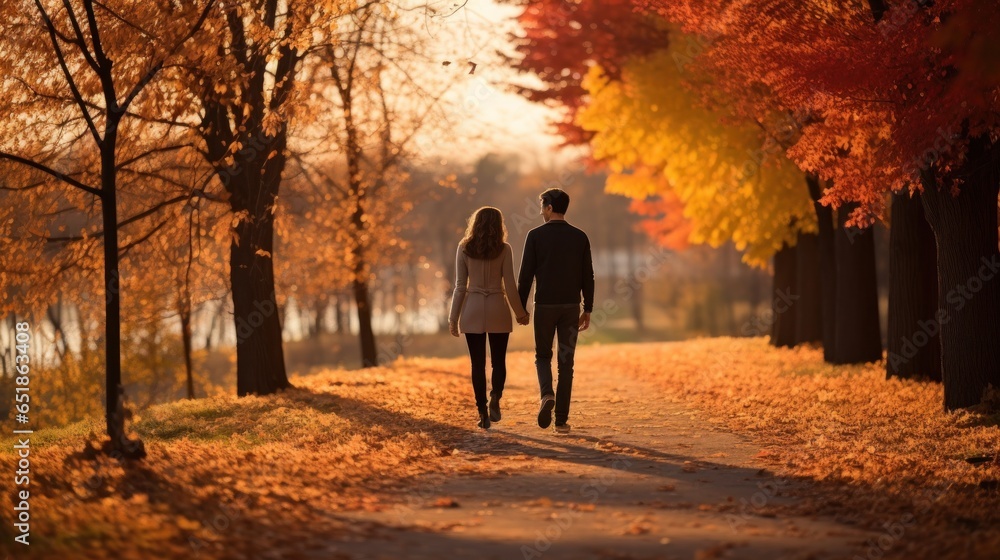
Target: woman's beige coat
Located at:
point(479, 303)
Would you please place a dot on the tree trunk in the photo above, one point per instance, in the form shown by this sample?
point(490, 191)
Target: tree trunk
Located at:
point(914, 347)
point(965, 228)
point(318, 319)
point(752, 278)
point(185, 315)
point(809, 306)
point(343, 323)
point(217, 324)
point(113, 413)
point(783, 298)
point(711, 309)
point(397, 303)
point(260, 361)
point(112, 320)
point(366, 336)
point(636, 301)
point(729, 288)
point(827, 267)
point(448, 266)
point(415, 306)
point(249, 160)
point(54, 313)
point(858, 334)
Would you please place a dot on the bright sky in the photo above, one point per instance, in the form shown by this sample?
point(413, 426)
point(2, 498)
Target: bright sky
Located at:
point(486, 116)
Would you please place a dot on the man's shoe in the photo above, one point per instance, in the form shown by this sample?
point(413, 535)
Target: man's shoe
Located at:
point(562, 428)
point(484, 420)
point(545, 412)
point(494, 409)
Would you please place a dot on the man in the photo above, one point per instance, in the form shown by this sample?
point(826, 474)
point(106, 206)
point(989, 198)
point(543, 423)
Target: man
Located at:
point(557, 257)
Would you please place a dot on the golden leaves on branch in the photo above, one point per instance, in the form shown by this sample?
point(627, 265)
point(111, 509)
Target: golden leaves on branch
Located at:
point(659, 140)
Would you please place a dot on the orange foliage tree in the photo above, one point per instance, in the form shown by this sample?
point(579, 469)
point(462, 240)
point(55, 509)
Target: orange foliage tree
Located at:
point(905, 104)
point(76, 74)
point(378, 102)
point(244, 93)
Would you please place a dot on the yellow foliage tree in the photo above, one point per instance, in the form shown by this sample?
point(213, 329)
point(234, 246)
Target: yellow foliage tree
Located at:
point(658, 137)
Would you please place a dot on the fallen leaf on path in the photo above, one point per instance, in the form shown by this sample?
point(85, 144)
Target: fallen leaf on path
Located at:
point(636, 528)
point(713, 552)
point(445, 503)
point(544, 501)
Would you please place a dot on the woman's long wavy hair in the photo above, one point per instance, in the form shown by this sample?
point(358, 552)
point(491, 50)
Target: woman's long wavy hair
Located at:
point(486, 234)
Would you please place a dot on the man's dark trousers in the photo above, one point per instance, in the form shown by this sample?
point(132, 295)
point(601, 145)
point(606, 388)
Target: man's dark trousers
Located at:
point(562, 322)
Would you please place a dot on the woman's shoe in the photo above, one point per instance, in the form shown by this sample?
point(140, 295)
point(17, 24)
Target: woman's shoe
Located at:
point(484, 420)
point(494, 409)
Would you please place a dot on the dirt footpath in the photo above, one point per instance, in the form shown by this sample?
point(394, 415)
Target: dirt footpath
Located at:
point(638, 477)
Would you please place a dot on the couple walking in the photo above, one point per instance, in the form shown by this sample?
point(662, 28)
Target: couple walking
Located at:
point(557, 260)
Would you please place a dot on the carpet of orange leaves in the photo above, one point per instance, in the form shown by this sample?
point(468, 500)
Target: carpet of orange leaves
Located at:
point(884, 452)
point(235, 478)
point(269, 477)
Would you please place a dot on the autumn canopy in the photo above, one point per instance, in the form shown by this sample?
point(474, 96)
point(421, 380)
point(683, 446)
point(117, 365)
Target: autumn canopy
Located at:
point(776, 125)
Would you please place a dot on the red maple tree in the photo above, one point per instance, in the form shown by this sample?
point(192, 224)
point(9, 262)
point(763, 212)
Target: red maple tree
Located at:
point(902, 98)
point(563, 39)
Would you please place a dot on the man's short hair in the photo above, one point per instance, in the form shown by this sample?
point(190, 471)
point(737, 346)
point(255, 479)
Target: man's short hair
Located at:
point(557, 199)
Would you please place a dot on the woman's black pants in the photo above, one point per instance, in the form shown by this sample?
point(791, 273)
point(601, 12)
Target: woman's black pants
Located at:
point(498, 359)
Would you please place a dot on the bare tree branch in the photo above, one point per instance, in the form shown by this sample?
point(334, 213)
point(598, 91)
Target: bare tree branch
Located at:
point(77, 96)
point(61, 176)
point(151, 151)
point(98, 234)
point(80, 41)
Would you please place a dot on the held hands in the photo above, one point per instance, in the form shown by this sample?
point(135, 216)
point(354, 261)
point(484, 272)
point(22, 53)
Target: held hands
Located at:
point(584, 321)
point(524, 320)
point(453, 329)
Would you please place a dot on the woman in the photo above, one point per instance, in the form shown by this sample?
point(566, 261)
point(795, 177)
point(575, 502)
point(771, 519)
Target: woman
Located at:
point(480, 307)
